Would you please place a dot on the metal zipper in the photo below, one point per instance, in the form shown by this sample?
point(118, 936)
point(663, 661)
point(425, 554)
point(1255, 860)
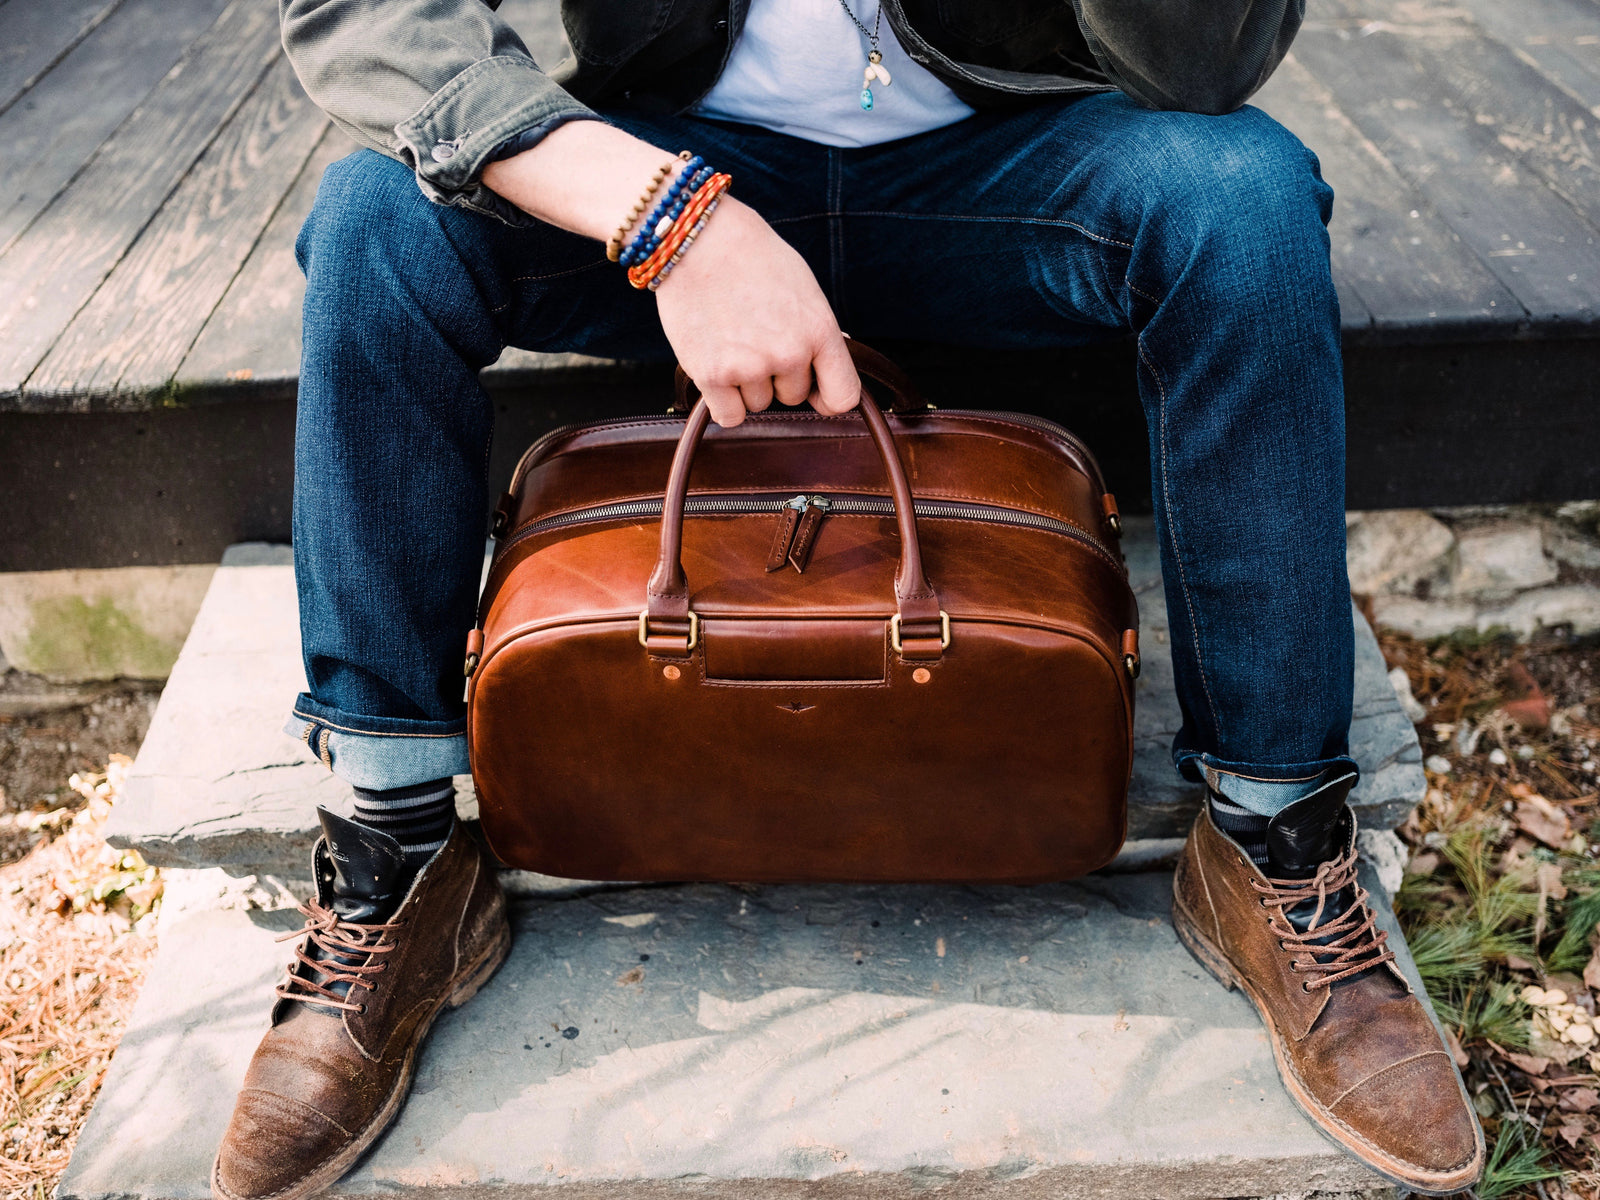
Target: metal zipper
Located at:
point(1086, 459)
point(856, 506)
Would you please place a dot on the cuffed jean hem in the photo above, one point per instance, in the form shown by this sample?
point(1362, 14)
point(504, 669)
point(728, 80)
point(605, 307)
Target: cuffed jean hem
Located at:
point(1260, 788)
point(379, 752)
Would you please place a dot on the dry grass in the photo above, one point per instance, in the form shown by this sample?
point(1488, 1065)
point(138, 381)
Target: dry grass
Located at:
point(1501, 902)
point(76, 934)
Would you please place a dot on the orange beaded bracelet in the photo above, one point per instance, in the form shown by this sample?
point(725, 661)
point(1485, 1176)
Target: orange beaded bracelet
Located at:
point(641, 276)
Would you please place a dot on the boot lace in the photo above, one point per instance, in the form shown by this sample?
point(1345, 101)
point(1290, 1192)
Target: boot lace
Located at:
point(341, 941)
point(1331, 950)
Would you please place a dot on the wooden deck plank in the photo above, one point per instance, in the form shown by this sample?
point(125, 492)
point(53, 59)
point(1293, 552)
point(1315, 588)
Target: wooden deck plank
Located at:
point(35, 34)
point(1509, 97)
point(53, 269)
point(253, 336)
point(1531, 239)
point(132, 335)
point(1389, 246)
point(85, 97)
point(1560, 38)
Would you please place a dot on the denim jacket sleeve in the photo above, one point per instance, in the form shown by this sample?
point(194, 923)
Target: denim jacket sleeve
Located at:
point(438, 84)
point(1206, 56)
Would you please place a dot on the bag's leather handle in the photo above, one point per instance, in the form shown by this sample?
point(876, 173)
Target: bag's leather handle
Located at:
point(667, 627)
point(903, 394)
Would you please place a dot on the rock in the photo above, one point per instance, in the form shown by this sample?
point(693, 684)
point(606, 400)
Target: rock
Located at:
point(1425, 619)
point(85, 625)
point(1575, 607)
point(1568, 544)
point(1391, 552)
point(1438, 764)
point(1409, 704)
point(1387, 854)
point(1065, 1045)
point(1496, 560)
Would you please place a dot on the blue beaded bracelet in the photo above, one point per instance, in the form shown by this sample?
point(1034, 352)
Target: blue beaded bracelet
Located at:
point(660, 221)
point(683, 187)
point(674, 189)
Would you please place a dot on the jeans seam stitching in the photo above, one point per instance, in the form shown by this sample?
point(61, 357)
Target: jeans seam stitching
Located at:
point(370, 733)
point(541, 278)
point(994, 220)
point(1183, 578)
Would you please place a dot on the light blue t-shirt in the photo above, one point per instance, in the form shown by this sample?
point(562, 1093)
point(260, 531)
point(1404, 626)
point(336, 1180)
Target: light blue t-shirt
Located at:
point(797, 69)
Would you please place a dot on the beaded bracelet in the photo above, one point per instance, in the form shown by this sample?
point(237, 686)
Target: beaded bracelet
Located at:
point(640, 274)
point(614, 245)
point(687, 226)
point(662, 217)
point(688, 240)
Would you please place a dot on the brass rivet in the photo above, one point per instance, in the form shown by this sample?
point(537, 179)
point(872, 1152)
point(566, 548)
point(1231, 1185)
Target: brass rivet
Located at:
point(670, 671)
point(922, 674)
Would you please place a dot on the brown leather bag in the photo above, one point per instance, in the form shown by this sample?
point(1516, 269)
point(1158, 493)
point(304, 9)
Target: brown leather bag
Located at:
point(880, 648)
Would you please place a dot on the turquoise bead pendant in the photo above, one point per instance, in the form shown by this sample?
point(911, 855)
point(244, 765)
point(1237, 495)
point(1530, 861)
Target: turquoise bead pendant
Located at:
point(866, 99)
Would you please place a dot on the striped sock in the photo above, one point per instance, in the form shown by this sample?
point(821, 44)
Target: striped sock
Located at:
point(1243, 826)
point(418, 817)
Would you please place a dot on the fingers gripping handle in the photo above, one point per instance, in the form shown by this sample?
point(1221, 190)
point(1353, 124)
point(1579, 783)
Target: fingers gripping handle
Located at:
point(668, 627)
point(903, 394)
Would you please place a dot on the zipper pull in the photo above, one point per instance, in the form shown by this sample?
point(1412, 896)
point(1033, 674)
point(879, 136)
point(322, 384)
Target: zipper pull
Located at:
point(805, 535)
point(788, 522)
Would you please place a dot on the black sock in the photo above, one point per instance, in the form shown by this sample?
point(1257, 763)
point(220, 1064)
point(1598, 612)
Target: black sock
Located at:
point(418, 817)
point(1243, 826)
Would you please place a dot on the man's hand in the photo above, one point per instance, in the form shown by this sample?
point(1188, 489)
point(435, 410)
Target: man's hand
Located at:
point(741, 309)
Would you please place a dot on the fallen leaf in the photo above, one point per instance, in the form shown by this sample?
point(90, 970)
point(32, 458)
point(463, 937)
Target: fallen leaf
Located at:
point(1591, 972)
point(1538, 818)
point(1579, 1099)
point(1549, 877)
point(1531, 710)
point(1528, 1064)
point(1456, 1052)
point(1572, 1133)
point(1425, 863)
point(631, 976)
point(1517, 963)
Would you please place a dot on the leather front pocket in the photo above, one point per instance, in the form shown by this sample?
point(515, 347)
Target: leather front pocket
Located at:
point(826, 650)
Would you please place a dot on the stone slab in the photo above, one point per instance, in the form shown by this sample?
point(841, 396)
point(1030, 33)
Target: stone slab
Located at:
point(80, 626)
point(218, 784)
point(716, 1041)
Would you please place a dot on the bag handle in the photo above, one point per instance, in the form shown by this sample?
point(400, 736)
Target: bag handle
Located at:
point(667, 627)
point(903, 395)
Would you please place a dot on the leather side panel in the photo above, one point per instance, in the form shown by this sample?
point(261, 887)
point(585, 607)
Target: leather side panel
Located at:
point(773, 651)
point(1009, 764)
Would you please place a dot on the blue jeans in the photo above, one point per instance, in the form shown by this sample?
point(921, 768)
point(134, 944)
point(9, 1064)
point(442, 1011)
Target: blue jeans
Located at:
point(1059, 225)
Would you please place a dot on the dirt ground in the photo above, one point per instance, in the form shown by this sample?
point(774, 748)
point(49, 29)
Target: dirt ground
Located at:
point(49, 733)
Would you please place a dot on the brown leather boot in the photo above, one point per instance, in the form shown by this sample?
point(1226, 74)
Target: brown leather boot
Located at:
point(377, 961)
point(1354, 1045)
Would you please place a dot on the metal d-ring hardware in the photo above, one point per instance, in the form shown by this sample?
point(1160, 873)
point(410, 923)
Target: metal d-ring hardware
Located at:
point(1131, 663)
point(944, 631)
point(694, 630)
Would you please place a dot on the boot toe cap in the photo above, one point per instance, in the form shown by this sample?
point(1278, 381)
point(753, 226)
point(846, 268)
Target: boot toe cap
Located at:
point(274, 1145)
point(1416, 1114)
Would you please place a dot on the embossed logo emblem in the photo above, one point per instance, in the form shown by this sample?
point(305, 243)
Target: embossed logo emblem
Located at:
point(794, 706)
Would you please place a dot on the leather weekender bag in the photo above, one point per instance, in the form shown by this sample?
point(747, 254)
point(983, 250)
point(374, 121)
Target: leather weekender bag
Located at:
point(858, 648)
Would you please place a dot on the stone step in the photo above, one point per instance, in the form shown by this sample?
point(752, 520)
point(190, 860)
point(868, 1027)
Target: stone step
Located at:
point(758, 1043)
point(218, 784)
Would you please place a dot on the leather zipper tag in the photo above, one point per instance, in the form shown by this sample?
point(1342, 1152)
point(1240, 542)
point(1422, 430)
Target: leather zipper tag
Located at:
point(788, 520)
point(805, 536)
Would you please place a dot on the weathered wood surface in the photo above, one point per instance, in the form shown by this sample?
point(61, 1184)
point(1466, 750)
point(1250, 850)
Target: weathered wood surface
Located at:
point(149, 311)
point(160, 157)
point(56, 266)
